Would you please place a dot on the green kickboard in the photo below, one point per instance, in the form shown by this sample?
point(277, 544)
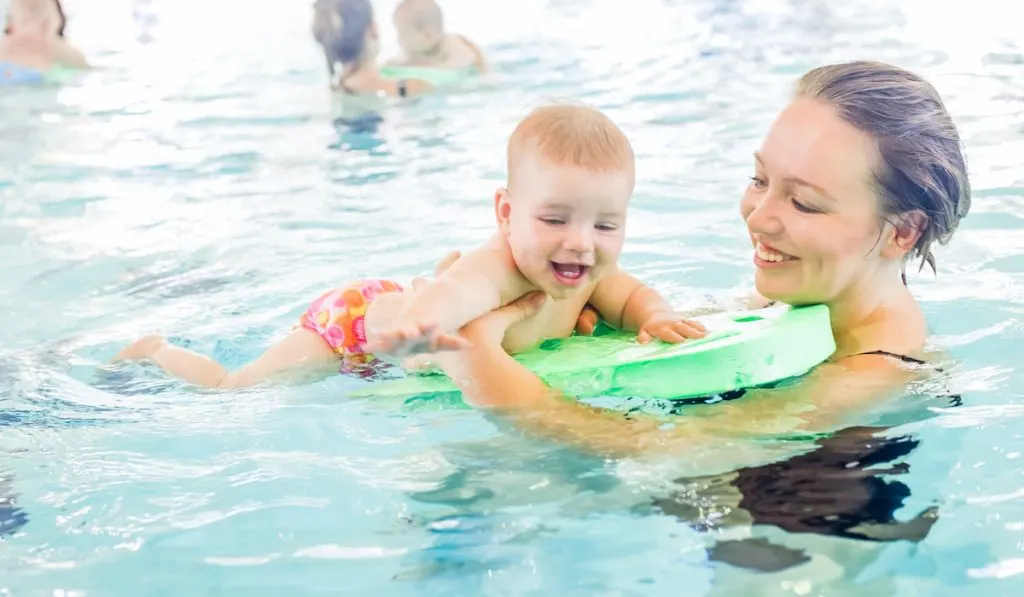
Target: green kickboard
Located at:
point(61, 74)
point(434, 76)
point(743, 349)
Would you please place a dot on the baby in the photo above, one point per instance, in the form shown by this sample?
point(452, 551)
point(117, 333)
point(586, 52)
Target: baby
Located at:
point(421, 34)
point(33, 42)
point(560, 228)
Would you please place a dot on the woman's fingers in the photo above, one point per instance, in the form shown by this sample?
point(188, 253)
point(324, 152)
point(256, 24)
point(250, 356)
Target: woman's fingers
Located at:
point(522, 308)
point(586, 323)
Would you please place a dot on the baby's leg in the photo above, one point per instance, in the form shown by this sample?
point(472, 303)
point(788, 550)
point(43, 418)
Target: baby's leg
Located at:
point(300, 348)
point(332, 328)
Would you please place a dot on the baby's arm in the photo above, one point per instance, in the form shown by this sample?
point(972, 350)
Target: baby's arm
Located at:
point(302, 348)
point(627, 304)
point(481, 62)
point(477, 283)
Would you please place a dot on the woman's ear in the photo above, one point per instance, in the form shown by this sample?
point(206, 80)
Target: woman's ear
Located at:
point(906, 231)
point(502, 209)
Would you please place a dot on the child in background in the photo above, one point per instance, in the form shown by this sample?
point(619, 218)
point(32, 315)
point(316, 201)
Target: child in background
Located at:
point(424, 42)
point(561, 224)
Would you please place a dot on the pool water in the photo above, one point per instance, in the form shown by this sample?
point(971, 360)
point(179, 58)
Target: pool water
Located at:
point(205, 184)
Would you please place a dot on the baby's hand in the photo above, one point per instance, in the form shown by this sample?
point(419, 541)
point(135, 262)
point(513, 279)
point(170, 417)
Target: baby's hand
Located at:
point(414, 339)
point(670, 327)
point(421, 363)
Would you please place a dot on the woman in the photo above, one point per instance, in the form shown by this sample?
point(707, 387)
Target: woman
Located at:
point(862, 172)
point(347, 32)
point(34, 47)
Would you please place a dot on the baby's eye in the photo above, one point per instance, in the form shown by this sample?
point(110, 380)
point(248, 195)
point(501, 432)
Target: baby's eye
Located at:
point(553, 221)
point(607, 227)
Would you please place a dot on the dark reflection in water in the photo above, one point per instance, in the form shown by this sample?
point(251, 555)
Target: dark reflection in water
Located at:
point(359, 132)
point(847, 487)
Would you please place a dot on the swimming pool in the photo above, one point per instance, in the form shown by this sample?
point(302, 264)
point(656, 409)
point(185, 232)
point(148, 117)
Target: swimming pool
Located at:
point(203, 185)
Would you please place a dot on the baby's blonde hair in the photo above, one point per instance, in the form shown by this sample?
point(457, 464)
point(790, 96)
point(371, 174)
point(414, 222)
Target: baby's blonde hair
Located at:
point(568, 134)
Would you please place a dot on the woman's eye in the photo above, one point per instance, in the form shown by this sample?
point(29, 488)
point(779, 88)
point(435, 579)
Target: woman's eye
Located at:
point(807, 209)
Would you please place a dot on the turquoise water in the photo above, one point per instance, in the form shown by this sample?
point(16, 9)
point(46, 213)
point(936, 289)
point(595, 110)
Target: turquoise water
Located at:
point(203, 185)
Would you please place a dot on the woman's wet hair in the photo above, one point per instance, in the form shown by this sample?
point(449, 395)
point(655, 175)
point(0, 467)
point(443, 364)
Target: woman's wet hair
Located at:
point(340, 26)
point(922, 166)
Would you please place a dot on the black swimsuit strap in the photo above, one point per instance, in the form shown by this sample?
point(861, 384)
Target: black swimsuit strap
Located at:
point(884, 353)
point(894, 355)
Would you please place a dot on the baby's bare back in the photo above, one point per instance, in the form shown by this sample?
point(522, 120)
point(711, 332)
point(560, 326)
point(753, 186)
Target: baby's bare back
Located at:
point(460, 54)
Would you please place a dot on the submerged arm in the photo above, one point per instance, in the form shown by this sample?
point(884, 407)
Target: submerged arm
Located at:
point(491, 379)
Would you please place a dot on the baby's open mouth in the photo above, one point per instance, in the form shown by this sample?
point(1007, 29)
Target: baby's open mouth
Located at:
point(569, 273)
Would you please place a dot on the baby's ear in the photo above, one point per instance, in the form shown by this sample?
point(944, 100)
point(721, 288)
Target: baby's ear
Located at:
point(502, 208)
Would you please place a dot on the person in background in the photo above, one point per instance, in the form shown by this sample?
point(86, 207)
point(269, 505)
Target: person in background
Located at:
point(425, 43)
point(348, 34)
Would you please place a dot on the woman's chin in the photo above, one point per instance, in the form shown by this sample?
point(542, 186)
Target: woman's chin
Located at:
point(773, 291)
point(765, 287)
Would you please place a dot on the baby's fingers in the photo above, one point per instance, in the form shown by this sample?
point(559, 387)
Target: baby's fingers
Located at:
point(693, 323)
point(670, 335)
point(690, 329)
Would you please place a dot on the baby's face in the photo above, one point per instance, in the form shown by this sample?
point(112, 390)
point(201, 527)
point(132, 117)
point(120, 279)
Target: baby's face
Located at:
point(415, 39)
point(565, 225)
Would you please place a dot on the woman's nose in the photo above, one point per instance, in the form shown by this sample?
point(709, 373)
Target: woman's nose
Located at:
point(761, 214)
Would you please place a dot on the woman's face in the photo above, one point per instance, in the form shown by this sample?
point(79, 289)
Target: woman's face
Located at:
point(811, 209)
point(40, 20)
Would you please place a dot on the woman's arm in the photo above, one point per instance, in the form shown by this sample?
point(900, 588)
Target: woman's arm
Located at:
point(489, 378)
point(824, 400)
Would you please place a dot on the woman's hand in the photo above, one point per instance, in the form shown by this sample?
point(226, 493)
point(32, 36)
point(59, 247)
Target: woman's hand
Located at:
point(484, 332)
point(586, 323)
point(487, 330)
